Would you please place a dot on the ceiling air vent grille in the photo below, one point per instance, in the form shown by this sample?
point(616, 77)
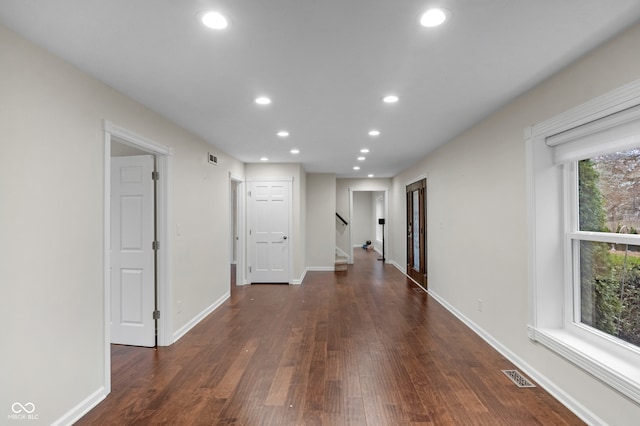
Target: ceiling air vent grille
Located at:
point(518, 379)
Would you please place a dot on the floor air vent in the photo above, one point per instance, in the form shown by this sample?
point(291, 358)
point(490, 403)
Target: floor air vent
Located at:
point(518, 379)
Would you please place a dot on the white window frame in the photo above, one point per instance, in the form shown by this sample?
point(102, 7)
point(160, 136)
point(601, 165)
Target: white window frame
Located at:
point(591, 129)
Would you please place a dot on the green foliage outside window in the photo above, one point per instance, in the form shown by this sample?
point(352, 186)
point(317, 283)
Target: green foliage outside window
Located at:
point(609, 273)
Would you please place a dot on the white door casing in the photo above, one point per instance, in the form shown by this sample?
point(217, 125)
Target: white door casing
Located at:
point(132, 253)
point(269, 231)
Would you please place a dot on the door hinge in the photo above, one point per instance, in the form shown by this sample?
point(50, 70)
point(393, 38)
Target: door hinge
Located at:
point(249, 269)
point(249, 193)
point(155, 245)
point(155, 175)
point(249, 231)
point(156, 314)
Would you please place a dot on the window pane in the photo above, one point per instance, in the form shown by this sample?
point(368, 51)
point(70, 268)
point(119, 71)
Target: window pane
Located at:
point(609, 196)
point(610, 289)
point(416, 230)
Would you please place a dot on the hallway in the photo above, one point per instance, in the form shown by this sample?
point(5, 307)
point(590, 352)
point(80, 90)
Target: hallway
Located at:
point(363, 347)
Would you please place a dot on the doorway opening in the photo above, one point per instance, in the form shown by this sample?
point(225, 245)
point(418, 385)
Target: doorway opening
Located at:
point(124, 144)
point(366, 207)
point(417, 231)
point(236, 233)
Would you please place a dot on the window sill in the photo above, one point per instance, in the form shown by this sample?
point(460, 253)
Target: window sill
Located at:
point(621, 374)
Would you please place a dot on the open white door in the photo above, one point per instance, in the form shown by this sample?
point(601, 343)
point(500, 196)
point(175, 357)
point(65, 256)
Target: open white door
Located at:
point(269, 231)
point(132, 252)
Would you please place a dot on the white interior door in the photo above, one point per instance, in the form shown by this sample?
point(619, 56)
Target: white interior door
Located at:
point(132, 253)
point(269, 231)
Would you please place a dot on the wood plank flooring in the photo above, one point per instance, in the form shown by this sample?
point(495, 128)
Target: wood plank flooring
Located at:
point(361, 347)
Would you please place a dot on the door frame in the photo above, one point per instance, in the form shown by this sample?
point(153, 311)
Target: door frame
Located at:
point(164, 287)
point(241, 276)
point(372, 188)
point(426, 225)
point(249, 218)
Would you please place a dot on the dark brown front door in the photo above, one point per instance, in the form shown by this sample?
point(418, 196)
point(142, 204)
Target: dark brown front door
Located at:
point(416, 232)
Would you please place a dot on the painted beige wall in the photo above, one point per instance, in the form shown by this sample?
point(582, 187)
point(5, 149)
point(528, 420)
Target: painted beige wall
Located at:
point(52, 222)
point(321, 206)
point(477, 218)
point(201, 194)
point(298, 198)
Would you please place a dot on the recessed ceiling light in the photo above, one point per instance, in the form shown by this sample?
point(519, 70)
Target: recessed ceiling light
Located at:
point(295, 151)
point(264, 159)
point(390, 99)
point(374, 133)
point(364, 150)
point(214, 20)
point(283, 133)
point(356, 167)
point(361, 158)
point(263, 100)
point(369, 175)
point(433, 17)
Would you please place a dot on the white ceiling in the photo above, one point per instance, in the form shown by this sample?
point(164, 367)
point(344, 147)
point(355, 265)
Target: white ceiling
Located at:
point(326, 64)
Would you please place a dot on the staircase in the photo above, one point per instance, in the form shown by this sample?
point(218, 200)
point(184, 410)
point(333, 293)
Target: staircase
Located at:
point(342, 259)
point(341, 264)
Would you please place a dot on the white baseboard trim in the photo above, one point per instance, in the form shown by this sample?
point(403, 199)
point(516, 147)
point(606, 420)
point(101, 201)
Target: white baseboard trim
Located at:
point(82, 408)
point(321, 268)
point(188, 326)
point(400, 268)
point(299, 280)
point(567, 400)
point(312, 269)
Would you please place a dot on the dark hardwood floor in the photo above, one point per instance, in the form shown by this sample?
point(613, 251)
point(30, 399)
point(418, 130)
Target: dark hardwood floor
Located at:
point(361, 347)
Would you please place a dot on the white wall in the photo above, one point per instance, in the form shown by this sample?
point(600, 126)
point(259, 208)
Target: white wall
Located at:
point(321, 206)
point(201, 214)
point(362, 219)
point(377, 244)
point(52, 222)
point(477, 220)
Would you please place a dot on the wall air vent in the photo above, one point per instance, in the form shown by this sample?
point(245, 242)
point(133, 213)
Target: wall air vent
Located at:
point(213, 159)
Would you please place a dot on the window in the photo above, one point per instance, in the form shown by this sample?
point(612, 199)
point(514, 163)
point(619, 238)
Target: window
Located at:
point(606, 245)
point(583, 171)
